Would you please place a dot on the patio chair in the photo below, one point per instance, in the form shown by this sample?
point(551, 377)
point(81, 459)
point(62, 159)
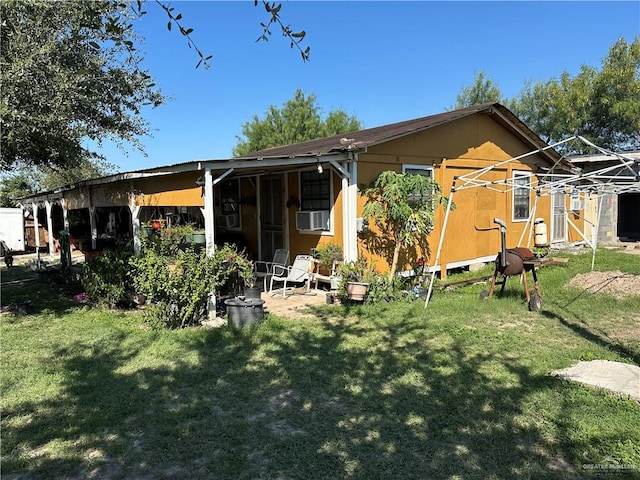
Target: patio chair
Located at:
point(299, 272)
point(264, 270)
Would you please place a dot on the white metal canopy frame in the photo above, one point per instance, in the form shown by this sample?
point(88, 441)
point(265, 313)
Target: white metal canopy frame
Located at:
point(613, 179)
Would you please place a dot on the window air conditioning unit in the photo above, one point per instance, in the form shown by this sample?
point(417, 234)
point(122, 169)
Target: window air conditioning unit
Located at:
point(312, 220)
point(576, 204)
point(230, 220)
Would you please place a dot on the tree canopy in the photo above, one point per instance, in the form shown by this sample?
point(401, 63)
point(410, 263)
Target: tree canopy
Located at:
point(602, 105)
point(298, 120)
point(483, 90)
point(69, 71)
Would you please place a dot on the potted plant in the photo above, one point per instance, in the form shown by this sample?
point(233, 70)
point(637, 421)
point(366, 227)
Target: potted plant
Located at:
point(146, 229)
point(355, 279)
point(328, 256)
point(251, 290)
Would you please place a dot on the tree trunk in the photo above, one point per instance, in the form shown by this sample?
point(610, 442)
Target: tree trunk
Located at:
point(394, 263)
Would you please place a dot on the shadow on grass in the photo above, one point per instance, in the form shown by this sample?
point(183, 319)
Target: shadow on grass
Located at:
point(28, 292)
point(355, 399)
point(590, 335)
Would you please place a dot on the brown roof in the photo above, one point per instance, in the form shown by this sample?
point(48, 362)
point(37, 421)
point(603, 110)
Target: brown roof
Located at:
point(355, 141)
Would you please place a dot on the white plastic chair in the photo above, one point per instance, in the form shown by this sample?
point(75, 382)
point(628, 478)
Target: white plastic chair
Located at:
point(264, 270)
point(299, 272)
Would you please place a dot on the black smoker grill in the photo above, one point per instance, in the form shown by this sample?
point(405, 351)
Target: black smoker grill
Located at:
point(511, 262)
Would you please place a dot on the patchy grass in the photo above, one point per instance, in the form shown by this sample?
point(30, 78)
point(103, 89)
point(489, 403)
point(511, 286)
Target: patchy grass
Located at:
point(384, 391)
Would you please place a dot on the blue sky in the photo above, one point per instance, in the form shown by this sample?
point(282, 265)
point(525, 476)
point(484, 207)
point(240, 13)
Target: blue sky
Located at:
point(380, 61)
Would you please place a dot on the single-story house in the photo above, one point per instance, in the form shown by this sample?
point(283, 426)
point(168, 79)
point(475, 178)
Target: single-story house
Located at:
point(303, 195)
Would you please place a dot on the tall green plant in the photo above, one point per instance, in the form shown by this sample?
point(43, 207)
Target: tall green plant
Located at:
point(402, 207)
point(105, 278)
point(179, 294)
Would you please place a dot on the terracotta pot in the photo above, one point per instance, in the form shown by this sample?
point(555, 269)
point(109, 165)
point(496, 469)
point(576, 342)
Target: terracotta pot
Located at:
point(357, 291)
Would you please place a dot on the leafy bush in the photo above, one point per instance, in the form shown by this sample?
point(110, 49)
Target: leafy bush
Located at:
point(105, 278)
point(327, 254)
point(179, 291)
point(167, 242)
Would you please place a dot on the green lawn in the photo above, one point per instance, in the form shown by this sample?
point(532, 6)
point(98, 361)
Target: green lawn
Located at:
point(386, 391)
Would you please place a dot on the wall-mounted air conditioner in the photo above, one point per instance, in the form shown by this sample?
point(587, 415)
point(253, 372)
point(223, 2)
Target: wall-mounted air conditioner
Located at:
point(576, 203)
point(312, 220)
point(230, 220)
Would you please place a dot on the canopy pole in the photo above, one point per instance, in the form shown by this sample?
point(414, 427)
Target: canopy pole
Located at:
point(444, 228)
point(529, 224)
point(595, 236)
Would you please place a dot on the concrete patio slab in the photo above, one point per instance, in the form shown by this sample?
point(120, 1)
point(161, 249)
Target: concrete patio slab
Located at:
point(622, 378)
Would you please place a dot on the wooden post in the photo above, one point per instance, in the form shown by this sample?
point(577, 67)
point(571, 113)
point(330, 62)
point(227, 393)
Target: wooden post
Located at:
point(36, 230)
point(47, 205)
point(135, 223)
point(94, 228)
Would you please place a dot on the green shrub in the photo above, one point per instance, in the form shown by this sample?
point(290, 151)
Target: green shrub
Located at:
point(167, 242)
point(179, 287)
point(327, 254)
point(105, 278)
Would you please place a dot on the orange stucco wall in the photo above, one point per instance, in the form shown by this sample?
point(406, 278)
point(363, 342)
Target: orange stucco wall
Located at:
point(170, 190)
point(457, 149)
point(167, 190)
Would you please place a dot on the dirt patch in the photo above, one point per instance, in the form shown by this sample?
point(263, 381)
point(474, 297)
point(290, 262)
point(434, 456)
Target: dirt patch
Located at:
point(615, 283)
point(296, 304)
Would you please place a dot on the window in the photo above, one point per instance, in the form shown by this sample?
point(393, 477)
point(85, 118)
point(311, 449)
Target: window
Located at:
point(521, 195)
point(315, 196)
point(229, 216)
point(424, 170)
point(576, 202)
point(315, 190)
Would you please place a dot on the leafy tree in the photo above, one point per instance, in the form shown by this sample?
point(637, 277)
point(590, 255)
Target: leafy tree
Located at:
point(71, 71)
point(483, 90)
point(601, 105)
point(298, 120)
point(13, 187)
point(47, 178)
point(26, 180)
point(402, 206)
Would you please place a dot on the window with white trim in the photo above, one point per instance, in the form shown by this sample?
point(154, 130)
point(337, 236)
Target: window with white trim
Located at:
point(315, 196)
point(576, 202)
point(424, 170)
point(521, 198)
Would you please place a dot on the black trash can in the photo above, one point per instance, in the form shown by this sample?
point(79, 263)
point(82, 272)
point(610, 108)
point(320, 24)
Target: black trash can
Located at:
point(243, 312)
